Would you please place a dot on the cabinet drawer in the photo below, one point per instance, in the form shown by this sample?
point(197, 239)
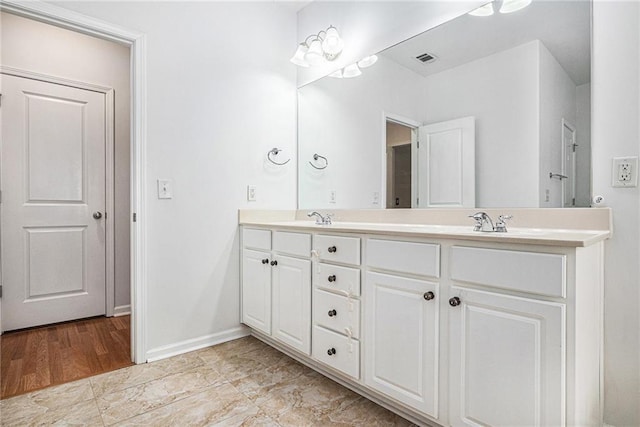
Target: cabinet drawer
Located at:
point(405, 257)
point(292, 243)
point(336, 278)
point(258, 239)
point(337, 351)
point(336, 312)
point(338, 249)
point(536, 273)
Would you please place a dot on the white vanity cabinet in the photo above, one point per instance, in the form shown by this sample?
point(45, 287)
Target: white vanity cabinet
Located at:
point(276, 286)
point(401, 325)
point(482, 331)
point(336, 303)
point(524, 336)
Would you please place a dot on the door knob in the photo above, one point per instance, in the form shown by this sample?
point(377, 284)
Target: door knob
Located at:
point(332, 249)
point(332, 278)
point(454, 302)
point(429, 296)
point(97, 215)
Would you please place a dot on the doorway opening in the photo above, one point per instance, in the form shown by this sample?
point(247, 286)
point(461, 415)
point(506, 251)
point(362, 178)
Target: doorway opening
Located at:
point(62, 19)
point(399, 164)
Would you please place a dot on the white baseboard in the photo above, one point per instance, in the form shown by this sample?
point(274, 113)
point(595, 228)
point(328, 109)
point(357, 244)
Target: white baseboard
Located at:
point(121, 310)
point(196, 343)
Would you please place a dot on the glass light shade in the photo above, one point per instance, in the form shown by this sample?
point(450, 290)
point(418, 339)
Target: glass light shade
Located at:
point(314, 55)
point(298, 58)
point(367, 61)
point(351, 71)
point(486, 10)
point(509, 6)
point(336, 74)
point(332, 44)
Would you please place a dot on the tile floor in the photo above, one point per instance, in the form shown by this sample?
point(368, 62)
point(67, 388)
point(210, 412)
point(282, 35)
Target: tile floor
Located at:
point(242, 382)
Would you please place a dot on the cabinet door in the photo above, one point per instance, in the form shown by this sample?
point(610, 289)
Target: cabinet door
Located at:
point(292, 302)
point(401, 340)
point(507, 361)
point(256, 290)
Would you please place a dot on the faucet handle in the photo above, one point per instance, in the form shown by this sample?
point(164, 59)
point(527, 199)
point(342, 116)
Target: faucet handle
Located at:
point(478, 216)
point(501, 225)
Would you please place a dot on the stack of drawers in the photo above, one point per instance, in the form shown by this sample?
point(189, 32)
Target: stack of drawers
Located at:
point(336, 303)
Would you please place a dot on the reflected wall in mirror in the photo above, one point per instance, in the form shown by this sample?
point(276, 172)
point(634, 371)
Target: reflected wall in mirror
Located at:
point(496, 116)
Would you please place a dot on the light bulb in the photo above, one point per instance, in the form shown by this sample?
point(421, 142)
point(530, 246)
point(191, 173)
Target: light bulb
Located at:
point(367, 61)
point(332, 44)
point(314, 55)
point(509, 6)
point(351, 71)
point(298, 58)
point(486, 10)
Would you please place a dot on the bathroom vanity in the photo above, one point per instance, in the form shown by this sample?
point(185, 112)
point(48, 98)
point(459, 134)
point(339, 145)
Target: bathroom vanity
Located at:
point(441, 324)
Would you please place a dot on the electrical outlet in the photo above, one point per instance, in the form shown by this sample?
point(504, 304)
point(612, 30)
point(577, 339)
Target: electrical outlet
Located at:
point(251, 193)
point(624, 172)
point(332, 196)
point(546, 195)
point(376, 198)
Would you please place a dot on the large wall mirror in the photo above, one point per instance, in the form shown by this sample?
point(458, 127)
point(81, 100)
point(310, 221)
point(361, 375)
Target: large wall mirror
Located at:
point(482, 111)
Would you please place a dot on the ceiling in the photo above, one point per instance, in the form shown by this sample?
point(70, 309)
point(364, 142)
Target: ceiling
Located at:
point(564, 27)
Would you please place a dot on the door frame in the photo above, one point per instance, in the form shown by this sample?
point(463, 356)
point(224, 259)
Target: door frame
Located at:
point(109, 168)
point(563, 166)
point(70, 20)
point(414, 125)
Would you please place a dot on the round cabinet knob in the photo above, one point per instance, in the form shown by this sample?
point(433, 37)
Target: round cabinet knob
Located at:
point(274, 262)
point(454, 302)
point(265, 261)
point(332, 249)
point(97, 215)
point(429, 295)
point(331, 351)
point(332, 313)
point(332, 278)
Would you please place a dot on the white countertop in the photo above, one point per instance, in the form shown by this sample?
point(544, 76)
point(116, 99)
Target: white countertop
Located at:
point(531, 236)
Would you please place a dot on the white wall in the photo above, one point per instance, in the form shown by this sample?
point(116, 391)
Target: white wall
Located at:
point(342, 119)
point(501, 92)
point(33, 46)
point(583, 152)
point(221, 93)
point(557, 101)
point(616, 112)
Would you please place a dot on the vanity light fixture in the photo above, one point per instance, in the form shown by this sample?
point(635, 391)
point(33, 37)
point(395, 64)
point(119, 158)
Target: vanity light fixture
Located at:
point(319, 48)
point(504, 6)
point(351, 71)
point(367, 61)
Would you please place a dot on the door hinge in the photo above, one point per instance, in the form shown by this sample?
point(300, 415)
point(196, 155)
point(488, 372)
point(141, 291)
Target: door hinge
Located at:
point(135, 217)
point(0, 100)
point(0, 291)
point(417, 144)
point(417, 200)
point(0, 196)
point(573, 201)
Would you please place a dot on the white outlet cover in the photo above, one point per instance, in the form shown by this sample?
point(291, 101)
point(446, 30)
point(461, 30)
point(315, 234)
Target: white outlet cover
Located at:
point(252, 191)
point(332, 196)
point(165, 189)
point(624, 167)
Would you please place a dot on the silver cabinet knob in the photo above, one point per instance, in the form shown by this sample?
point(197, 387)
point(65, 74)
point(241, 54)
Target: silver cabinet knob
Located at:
point(97, 215)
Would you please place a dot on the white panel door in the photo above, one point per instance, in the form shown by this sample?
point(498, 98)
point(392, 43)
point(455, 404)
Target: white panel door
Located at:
point(506, 361)
point(446, 164)
point(401, 340)
point(256, 290)
point(53, 181)
point(292, 302)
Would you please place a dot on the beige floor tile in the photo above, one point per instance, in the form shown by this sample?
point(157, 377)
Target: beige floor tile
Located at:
point(120, 405)
point(262, 381)
point(231, 348)
point(43, 401)
point(212, 406)
point(248, 419)
point(140, 374)
point(79, 414)
point(248, 364)
point(307, 397)
point(364, 412)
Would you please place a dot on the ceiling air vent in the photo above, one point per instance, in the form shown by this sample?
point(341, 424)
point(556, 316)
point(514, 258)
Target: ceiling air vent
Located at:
point(426, 58)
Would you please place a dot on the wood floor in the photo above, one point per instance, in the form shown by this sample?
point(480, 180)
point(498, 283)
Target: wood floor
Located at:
point(35, 358)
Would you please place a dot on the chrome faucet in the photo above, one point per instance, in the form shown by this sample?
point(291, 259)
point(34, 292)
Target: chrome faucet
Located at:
point(321, 220)
point(484, 223)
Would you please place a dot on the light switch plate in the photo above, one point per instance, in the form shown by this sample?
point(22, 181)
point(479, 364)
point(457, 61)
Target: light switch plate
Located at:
point(624, 172)
point(332, 196)
point(252, 191)
point(165, 189)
